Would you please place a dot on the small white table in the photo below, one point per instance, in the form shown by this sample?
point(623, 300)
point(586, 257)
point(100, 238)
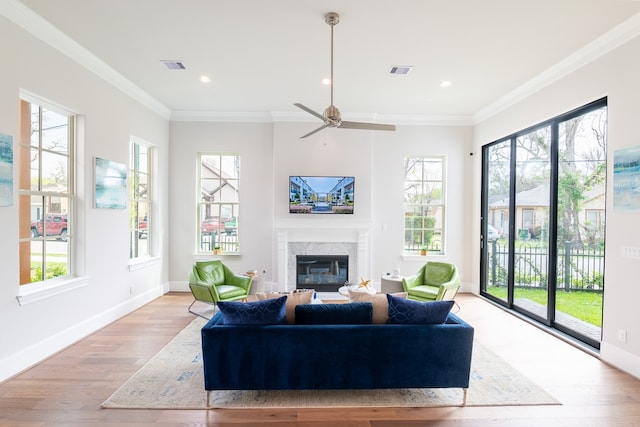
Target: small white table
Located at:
point(390, 284)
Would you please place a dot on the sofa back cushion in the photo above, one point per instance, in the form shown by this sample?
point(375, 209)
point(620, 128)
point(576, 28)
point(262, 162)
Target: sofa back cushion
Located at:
point(357, 313)
point(268, 312)
point(293, 300)
point(406, 311)
point(210, 272)
point(379, 303)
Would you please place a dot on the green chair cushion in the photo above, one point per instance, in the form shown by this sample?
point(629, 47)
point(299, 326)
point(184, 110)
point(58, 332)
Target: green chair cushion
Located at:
point(229, 291)
point(424, 291)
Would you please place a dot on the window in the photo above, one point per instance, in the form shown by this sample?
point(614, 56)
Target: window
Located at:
point(46, 196)
point(218, 203)
point(140, 178)
point(424, 192)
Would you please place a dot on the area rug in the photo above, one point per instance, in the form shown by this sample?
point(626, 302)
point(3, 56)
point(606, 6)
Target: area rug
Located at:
point(173, 379)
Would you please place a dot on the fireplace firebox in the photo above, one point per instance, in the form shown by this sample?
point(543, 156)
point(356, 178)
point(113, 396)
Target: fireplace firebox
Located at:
point(324, 273)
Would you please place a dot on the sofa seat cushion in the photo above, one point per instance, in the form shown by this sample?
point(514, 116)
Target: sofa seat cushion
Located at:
point(424, 291)
point(406, 312)
point(268, 312)
point(357, 313)
point(230, 291)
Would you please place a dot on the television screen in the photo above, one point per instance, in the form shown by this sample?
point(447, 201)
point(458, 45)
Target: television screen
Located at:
point(321, 194)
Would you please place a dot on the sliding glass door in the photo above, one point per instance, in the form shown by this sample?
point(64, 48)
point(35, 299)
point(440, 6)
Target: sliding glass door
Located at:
point(543, 207)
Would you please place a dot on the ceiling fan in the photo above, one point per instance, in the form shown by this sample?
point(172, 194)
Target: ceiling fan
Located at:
point(331, 116)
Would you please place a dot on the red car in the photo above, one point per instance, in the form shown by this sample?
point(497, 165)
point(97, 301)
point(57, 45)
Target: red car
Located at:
point(56, 226)
point(212, 226)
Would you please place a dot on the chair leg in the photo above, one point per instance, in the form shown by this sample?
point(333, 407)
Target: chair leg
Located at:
point(198, 314)
point(464, 397)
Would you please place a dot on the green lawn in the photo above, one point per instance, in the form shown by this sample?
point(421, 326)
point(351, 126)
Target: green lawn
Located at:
point(585, 306)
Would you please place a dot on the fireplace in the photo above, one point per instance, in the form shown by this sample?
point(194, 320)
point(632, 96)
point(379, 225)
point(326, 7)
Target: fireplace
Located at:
point(324, 273)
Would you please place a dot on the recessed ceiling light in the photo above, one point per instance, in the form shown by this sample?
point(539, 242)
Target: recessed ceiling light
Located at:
point(205, 79)
point(401, 69)
point(445, 83)
point(326, 81)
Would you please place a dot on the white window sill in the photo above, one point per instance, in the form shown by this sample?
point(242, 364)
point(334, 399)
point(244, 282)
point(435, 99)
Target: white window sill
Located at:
point(417, 257)
point(42, 290)
point(209, 256)
point(140, 263)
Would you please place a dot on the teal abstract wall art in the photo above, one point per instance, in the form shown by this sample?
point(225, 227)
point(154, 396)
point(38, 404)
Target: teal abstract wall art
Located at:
point(111, 184)
point(626, 180)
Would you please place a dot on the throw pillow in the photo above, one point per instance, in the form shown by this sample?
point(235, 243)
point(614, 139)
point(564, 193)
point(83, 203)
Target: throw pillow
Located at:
point(357, 313)
point(268, 312)
point(406, 311)
point(293, 299)
point(379, 303)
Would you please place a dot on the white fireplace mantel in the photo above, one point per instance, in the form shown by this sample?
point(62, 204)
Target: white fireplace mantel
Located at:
point(331, 237)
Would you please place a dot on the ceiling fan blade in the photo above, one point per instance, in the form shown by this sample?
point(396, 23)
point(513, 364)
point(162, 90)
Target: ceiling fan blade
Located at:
point(314, 131)
point(370, 126)
point(310, 111)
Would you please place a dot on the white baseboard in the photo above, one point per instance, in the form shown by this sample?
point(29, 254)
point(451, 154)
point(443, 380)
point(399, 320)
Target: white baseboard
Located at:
point(26, 358)
point(621, 359)
point(182, 286)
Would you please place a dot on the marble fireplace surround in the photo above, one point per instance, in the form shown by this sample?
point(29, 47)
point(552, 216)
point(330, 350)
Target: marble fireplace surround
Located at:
point(353, 242)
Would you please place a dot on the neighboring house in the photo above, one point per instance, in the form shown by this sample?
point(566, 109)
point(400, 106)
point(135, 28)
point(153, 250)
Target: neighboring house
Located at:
point(532, 211)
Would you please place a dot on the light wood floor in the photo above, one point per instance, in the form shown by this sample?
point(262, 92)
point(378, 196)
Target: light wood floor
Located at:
point(68, 388)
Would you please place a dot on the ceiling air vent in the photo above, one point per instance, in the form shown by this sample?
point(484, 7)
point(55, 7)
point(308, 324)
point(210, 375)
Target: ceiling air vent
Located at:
point(173, 65)
point(401, 69)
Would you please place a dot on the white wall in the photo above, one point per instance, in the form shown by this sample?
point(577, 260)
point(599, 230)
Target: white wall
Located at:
point(271, 153)
point(253, 142)
point(614, 75)
point(454, 142)
point(33, 331)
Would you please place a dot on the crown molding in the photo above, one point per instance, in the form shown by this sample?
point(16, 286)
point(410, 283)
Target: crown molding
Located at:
point(220, 116)
point(414, 120)
point(619, 35)
point(33, 23)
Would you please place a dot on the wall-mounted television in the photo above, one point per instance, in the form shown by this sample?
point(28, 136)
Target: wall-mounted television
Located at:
point(324, 195)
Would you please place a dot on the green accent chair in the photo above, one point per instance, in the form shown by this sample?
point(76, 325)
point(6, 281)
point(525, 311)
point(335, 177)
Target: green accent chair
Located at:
point(212, 281)
point(435, 281)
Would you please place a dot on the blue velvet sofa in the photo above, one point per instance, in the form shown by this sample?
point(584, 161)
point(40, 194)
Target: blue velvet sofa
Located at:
point(336, 356)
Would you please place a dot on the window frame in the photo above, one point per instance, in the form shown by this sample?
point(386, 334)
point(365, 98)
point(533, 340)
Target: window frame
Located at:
point(438, 245)
point(134, 200)
point(206, 243)
point(35, 290)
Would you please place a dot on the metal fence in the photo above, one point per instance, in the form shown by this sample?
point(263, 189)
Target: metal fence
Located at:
point(578, 268)
point(228, 243)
